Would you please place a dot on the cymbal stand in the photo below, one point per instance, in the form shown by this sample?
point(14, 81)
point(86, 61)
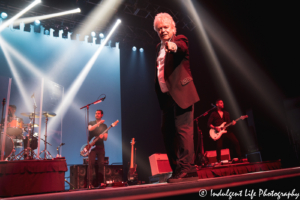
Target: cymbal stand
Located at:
point(46, 152)
point(29, 152)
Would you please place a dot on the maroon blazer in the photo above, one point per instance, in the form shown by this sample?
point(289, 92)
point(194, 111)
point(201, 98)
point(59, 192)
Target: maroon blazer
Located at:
point(178, 75)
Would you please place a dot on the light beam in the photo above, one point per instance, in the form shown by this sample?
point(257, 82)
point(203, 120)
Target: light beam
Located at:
point(8, 22)
point(42, 17)
point(63, 107)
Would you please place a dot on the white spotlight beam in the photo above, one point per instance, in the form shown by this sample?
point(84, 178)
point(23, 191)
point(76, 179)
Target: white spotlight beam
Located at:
point(226, 90)
point(63, 107)
point(96, 19)
point(17, 77)
point(42, 17)
point(24, 61)
point(8, 22)
point(99, 16)
point(244, 65)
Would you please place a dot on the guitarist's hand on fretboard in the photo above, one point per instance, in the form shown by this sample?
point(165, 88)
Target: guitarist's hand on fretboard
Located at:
point(233, 122)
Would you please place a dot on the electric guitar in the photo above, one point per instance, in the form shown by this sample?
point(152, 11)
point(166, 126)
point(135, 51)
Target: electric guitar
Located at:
point(132, 175)
point(216, 135)
point(86, 148)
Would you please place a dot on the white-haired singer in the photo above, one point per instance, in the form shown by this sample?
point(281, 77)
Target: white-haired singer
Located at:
point(177, 94)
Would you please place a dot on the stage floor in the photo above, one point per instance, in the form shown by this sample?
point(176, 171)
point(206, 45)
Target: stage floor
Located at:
point(256, 184)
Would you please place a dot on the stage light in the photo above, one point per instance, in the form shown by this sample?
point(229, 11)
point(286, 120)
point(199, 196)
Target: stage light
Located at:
point(141, 50)
point(3, 15)
point(32, 19)
point(101, 35)
point(8, 22)
point(37, 22)
point(119, 21)
point(47, 32)
point(134, 48)
point(93, 34)
point(99, 16)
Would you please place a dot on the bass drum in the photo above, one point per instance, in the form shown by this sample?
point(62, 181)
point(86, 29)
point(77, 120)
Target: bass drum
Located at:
point(15, 127)
point(8, 146)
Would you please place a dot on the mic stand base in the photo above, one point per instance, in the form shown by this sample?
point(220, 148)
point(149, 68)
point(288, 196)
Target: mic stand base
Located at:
point(47, 153)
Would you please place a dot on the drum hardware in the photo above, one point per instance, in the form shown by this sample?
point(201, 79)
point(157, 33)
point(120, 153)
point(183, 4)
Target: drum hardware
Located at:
point(46, 152)
point(28, 152)
point(30, 115)
point(26, 125)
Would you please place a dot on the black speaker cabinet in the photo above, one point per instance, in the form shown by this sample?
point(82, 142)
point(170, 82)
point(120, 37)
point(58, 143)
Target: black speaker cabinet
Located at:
point(78, 176)
point(113, 173)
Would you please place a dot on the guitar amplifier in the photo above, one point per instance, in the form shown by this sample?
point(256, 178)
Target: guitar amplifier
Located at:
point(86, 160)
point(113, 173)
point(212, 155)
point(159, 164)
point(78, 176)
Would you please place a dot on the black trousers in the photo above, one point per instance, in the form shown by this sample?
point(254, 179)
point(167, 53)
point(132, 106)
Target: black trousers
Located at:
point(99, 172)
point(230, 136)
point(177, 130)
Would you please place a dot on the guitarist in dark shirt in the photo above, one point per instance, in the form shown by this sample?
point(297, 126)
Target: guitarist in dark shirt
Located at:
point(215, 119)
point(95, 129)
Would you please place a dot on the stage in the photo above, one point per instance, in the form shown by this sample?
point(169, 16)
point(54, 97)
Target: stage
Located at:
point(279, 180)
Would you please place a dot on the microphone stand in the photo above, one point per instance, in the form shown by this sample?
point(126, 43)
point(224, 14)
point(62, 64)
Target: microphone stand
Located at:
point(3, 104)
point(57, 149)
point(203, 159)
point(29, 151)
point(89, 167)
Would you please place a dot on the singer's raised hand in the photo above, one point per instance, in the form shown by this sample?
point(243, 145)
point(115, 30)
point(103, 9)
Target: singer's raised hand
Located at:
point(171, 47)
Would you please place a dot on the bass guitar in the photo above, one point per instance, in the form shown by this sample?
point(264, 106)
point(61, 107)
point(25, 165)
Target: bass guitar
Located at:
point(132, 175)
point(86, 148)
point(215, 135)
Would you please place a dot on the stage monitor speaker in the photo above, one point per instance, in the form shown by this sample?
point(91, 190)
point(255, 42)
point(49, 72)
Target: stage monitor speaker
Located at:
point(254, 157)
point(113, 173)
point(159, 164)
point(78, 176)
point(212, 155)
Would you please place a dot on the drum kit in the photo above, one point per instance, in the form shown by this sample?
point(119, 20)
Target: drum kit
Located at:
point(16, 137)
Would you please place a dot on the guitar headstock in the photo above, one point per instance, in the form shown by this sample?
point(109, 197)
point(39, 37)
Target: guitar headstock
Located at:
point(244, 117)
point(115, 123)
point(132, 141)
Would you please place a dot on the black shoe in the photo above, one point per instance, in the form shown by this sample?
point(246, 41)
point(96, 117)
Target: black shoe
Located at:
point(184, 176)
point(174, 174)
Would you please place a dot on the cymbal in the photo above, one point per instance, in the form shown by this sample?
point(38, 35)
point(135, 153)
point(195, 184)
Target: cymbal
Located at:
point(35, 125)
point(30, 115)
point(48, 114)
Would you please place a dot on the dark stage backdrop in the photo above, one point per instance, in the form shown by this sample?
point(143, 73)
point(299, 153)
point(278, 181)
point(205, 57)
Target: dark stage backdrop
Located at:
point(36, 56)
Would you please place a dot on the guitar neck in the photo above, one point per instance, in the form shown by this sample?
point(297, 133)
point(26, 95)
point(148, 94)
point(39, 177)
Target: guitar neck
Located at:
point(231, 122)
point(96, 139)
point(132, 158)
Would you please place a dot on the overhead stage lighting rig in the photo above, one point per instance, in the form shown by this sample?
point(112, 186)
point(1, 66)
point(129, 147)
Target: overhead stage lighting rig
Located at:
point(8, 22)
